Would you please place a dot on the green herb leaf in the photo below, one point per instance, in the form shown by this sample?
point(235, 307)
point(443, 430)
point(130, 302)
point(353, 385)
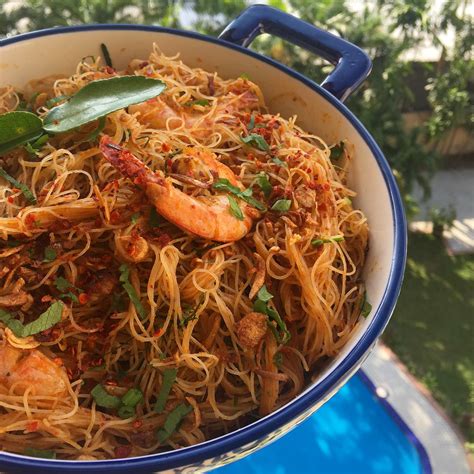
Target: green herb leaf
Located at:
point(40, 453)
point(264, 183)
point(223, 184)
point(245, 76)
point(103, 398)
point(126, 411)
point(256, 140)
point(337, 151)
point(33, 147)
point(62, 284)
point(169, 376)
point(201, 102)
point(235, 209)
point(49, 254)
point(366, 307)
point(282, 205)
point(251, 123)
point(132, 294)
point(46, 320)
point(134, 218)
point(172, 421)
point(334, 238)
point(106, 54)
point(264, 295)
point(29, 196)
point(278, 359)
point(279, 162)
point(261, 306)
point(17, 128)
point(132, 398)
point(189, 314)
point(99, 98)
point(69, 295)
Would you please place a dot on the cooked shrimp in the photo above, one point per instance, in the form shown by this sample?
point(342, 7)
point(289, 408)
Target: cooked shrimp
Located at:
point(21, 369)
point(158, 114)
point(206, 216)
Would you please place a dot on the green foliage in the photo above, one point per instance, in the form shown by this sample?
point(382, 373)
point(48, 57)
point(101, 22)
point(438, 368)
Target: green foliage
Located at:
point(387, 31)
point(432, 327)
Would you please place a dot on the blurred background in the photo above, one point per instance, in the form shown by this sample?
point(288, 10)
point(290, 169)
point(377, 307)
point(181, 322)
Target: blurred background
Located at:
point(418, 105)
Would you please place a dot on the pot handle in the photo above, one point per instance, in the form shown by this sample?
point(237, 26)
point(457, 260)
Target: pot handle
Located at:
point(352, 65)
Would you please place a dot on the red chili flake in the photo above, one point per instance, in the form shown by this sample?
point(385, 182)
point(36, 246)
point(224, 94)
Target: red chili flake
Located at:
point(169, 163)
point(109, 70)
point(32, 426)
point(165, 147)
point(115, 217)
point(137, 424)
point(122, 451)
point(83, 298)
point(326, 186)
point(143, 64)
point(58, 361)
point(159, 332)
point(10, 199)
point(322, 207)
point(16, 190)
point(46, 298)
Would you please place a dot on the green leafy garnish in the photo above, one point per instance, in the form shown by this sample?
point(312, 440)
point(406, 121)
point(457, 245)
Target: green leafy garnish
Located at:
point(261, 306)
point(245, 76)
point(63, 285)
point(256, 140)
point(33, 147)
point(251, 123)
point(278, 359)
point(334, 238)
point(282, 205)
point(17, 128)
point(366, 307)
point(29, 196)
point(103, 398)
point(264, 183)
point(125, 412)
point(134, 218)
point(223, 184)
point(172, 421)
point(106, 54)
point(46, 320)
point(132, 294)
point(337, 151)
point(279, 162)
point(264, 295)
point(40, 453)
point(49, 254)
point(189, 314)
point(201, 102)
point(99, 98)
point(235, 209)
point(132, 398)
point(169, 376)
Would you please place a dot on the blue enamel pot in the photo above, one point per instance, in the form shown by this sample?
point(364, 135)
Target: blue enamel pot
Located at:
point(320, 110)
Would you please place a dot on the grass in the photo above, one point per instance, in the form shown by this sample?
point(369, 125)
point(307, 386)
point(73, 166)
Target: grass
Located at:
point(432, 329)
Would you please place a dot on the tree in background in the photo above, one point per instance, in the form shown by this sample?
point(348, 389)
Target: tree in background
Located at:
point(386, 29)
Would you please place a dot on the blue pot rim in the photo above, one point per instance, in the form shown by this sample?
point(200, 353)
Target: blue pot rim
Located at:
point(309, 398)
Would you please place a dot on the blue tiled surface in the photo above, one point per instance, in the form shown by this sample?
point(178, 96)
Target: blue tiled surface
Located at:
point(352, 434)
